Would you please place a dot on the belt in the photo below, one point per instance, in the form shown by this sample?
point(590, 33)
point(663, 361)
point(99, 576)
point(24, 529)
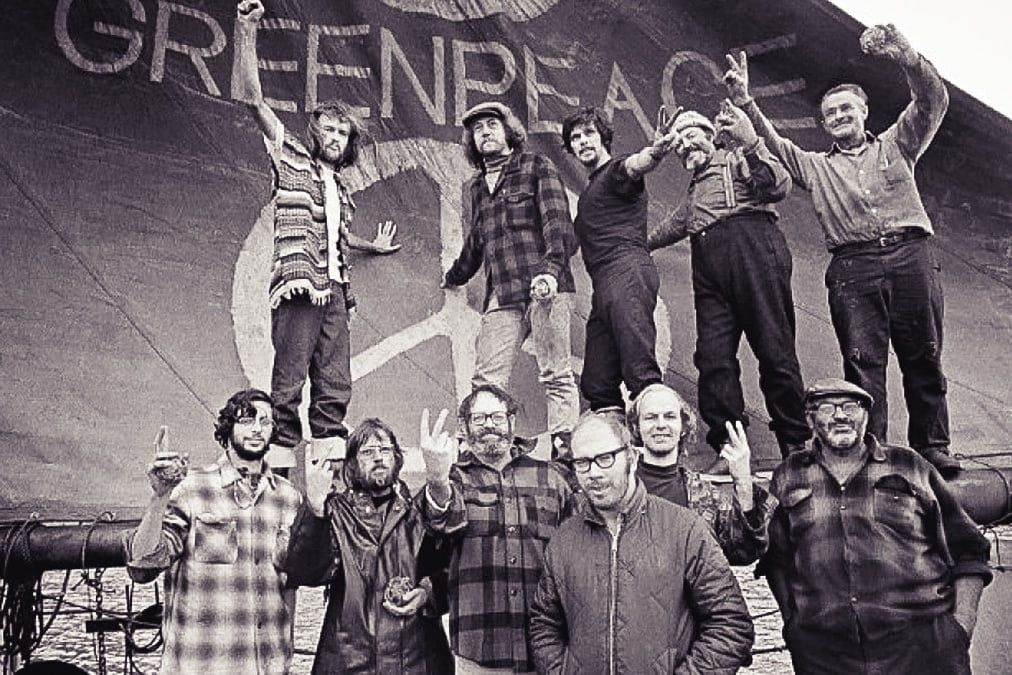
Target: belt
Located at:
point(763, 216)
point(888, 239)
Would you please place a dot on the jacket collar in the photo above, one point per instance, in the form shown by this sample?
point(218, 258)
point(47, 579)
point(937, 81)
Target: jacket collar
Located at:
point(634, 508)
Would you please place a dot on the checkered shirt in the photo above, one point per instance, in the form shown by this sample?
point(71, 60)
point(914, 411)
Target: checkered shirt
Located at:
point(869, 556)
point(500, 524)
point(520, 230)
point(225, 607)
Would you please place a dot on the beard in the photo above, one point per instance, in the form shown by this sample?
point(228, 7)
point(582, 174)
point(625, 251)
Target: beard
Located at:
point(249, 455)
point(490, 441)
point(377, 478)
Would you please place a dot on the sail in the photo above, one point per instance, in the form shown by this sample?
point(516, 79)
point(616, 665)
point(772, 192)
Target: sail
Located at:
point(136, 239)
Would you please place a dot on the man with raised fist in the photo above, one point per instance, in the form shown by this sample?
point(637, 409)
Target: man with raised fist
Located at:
point(883, 280)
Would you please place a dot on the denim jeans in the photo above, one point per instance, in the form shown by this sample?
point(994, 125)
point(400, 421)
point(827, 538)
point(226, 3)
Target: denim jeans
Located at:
point(621, 335)
point(310, 340)
point(741, 282)
point(503, 330)
point(893, 294)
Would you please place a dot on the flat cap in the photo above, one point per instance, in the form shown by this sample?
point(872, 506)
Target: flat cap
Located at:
point(834, 386)
point(489, 108)
point(691, 118)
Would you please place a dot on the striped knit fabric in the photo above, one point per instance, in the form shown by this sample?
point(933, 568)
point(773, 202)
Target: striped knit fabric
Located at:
point(300, 224)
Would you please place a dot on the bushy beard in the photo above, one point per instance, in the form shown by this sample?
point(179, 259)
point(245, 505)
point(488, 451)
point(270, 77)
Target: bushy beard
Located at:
point(489, 441)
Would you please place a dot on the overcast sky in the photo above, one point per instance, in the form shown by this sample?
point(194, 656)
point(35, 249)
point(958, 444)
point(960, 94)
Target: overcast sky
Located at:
point(968, 40)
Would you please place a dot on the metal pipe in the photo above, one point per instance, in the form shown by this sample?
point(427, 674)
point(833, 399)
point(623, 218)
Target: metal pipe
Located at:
point(986, 494)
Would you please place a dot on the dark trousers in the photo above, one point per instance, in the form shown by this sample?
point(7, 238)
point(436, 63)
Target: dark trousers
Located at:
point(741, 280)
point(310, 340)
point(621, 334)
point(893, 294)
point(933, 646)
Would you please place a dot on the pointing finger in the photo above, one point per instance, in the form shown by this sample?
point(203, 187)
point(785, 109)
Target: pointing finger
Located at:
point(161, 444)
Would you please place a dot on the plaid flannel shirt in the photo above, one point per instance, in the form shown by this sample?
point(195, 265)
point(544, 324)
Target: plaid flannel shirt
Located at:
point(499, 524)
point(226, 611)
point(876, 552)
point(520, 230)
point(742, 536)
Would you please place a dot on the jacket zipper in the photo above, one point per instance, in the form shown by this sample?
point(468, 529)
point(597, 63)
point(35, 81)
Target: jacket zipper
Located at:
point(613, 596)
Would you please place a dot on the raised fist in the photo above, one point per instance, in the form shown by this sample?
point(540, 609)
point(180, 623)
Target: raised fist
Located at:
point(250, 10)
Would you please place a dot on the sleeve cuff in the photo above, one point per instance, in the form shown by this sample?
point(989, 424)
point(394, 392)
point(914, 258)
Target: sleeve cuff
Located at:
point(433, 505)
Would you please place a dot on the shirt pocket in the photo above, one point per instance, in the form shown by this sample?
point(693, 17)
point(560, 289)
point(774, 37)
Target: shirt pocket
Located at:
point(895, 172)
point(520, 208)
point(482, 505)
point(216, 540)
point(541, 513)
point(897, 506)
point(800, 510)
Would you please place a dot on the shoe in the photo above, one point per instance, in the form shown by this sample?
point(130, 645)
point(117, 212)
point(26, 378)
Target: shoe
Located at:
point(940, 458)
point(612, 411)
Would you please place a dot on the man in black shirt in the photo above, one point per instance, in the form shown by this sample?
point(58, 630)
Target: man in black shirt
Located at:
point(611, 226)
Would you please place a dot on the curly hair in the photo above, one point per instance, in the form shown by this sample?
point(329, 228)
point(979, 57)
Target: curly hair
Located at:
point(367, 430)
point(343, 113)
point(516, 137)
point(239, 405)
point(464, 412)
point(689, 423)
point(591, 117)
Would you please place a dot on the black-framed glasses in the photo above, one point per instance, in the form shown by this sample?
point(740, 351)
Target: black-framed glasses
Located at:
point(850, 408)
point(371, 451)
point(496, 418)
point(605, 460)
point(249, 421)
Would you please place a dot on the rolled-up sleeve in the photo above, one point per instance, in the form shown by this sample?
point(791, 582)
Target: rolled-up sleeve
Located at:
point(175, 530)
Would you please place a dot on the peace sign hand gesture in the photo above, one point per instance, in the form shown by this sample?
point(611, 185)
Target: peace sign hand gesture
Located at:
point(736, 78)
point(439, 449)
point(664, 134)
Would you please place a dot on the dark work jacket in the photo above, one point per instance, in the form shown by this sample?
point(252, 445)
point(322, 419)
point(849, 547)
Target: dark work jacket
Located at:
point(357, 549)
point(658, 597)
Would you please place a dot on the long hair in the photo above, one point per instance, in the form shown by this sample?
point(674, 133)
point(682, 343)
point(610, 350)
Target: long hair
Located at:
point(516, 137)
point(589, 116)
point(369, 429)
point(239, 405)
point(342, 112)
point(689, 424)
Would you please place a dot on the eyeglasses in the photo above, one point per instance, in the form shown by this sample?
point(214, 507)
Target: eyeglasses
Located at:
point(371, 451)
point(850, 408)
point(249, 421)
point(495, 418)
point(605, 460)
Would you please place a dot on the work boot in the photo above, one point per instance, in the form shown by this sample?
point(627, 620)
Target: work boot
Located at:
point(946, 464)
point(614, 412)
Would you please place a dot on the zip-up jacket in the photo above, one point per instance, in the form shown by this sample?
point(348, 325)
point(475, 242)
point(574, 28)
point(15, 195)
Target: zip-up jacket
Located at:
point(657, 596)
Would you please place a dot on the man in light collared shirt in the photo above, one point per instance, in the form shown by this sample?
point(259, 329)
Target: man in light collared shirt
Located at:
point(218, 533)
point(883, 280)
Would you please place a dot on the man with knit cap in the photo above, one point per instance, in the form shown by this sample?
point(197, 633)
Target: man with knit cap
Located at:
point(741, 274)
point(520, 229)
